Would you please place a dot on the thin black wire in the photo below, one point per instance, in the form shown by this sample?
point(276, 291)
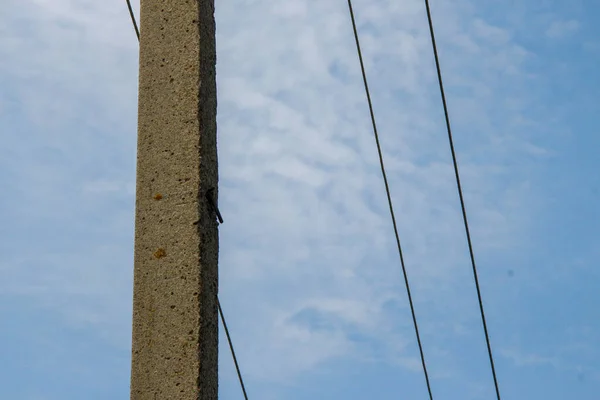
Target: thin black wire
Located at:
point(460, 194)
point(389, 198)
point(237, 368)
point(132, 15)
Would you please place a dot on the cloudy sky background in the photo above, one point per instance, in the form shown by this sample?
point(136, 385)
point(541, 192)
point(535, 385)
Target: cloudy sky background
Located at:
point(310, 279)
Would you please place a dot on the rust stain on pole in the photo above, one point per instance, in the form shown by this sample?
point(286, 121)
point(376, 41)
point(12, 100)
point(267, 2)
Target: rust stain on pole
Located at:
point(175, 320)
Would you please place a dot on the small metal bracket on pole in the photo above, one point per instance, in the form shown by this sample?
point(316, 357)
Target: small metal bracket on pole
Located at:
point(210, 196)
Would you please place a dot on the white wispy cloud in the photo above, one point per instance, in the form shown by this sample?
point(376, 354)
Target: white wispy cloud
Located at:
point(529, 360)
point(313, 114)
point(560, 29)
point(308, 260)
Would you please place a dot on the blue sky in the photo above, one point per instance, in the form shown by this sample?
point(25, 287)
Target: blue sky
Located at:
point(310, 279)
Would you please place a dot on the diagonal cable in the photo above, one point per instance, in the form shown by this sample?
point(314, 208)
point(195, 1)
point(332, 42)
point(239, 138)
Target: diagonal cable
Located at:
point(389, 198)
point(132, 15)
point(237, 367)
point(462, 201)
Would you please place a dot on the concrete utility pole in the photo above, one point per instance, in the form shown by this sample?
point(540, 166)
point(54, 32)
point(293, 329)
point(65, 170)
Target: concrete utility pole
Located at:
point(175, 320)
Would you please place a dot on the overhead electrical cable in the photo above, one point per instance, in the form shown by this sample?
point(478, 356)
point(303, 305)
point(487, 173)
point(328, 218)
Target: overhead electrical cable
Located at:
point(132, 15)
point(389, 199)
point(237, 367)
point(462, 200)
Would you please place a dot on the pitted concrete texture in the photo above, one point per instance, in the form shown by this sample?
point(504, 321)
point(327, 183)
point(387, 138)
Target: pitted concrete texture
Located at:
point(175, 320)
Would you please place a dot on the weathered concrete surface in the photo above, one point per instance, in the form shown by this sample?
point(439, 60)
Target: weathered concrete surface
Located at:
point(175, 320)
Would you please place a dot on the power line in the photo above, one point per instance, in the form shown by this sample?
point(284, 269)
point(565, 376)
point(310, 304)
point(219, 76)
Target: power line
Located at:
point(460, 194)
point(389, 198)
point(237, 367)
point(132, 15)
